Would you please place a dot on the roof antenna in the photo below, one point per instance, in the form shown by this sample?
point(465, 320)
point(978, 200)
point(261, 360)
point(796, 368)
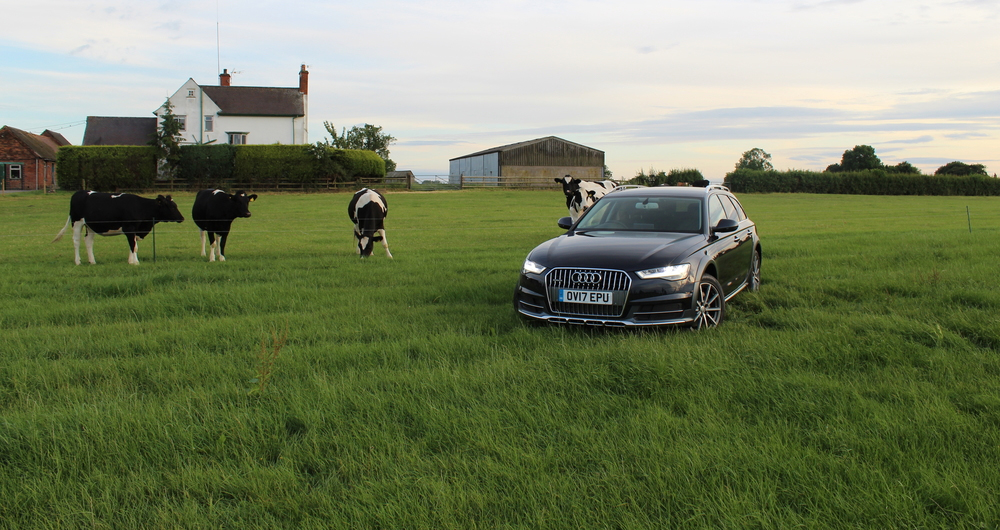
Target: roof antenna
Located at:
point(218, 48)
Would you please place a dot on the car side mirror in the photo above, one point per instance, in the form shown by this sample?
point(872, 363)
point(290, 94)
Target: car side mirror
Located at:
point(726, 225)
point(565, 222)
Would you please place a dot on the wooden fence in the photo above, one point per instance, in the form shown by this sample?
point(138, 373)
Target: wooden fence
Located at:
point(508, 182)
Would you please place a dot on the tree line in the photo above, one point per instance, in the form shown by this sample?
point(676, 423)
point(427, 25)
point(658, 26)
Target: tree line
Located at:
point(861, 158)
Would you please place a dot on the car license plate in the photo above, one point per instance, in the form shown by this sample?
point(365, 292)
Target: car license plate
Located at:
point(574, 296)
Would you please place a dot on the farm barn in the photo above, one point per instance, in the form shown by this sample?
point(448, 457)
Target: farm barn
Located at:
point(28, 161)
point(541, 160)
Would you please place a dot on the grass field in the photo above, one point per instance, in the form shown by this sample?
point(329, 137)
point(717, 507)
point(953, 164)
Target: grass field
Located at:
point(296, 386)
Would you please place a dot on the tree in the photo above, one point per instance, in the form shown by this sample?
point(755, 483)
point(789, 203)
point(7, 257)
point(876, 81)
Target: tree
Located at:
point(607, 173)
point(860, 158)
point(166, 141)
point(903, 167)
point(370, 138)
point(961, 168)
point(756, 159)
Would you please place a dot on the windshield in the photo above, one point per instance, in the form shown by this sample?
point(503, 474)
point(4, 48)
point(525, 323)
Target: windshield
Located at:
point(644, 214)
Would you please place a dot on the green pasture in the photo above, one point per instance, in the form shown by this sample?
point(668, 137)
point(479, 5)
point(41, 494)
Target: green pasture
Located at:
point(296, 386)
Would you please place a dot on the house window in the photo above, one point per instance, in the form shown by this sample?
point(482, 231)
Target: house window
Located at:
point(182, 120)
point(239, 138)
point(14, 172)
point(209, 123)
point(190, 93)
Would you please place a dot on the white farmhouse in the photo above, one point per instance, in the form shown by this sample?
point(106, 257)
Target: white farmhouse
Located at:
point(241, 115)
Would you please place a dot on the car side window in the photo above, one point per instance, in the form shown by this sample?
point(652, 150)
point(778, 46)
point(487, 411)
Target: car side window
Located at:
point(728, 206)
point(732, 209)
point(739, 208)
point(716, 212)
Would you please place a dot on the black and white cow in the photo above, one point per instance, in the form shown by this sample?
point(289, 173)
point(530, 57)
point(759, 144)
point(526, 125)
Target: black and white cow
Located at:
point(368, 210)
point(582, 194)
point(112, 214)
point(214, 212)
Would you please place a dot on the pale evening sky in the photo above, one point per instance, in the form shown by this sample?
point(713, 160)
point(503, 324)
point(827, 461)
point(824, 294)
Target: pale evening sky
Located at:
point(654, 84)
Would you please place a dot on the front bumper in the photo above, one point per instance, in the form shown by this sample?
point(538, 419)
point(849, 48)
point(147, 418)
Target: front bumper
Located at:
point(647, 303)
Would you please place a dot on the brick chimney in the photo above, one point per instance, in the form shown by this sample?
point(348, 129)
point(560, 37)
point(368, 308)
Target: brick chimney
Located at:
point(224, 77)
point(304, 80)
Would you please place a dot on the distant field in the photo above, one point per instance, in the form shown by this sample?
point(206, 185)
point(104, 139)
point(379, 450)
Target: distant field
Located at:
point(860, 388)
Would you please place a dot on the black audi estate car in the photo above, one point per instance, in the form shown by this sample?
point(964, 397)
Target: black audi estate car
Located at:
point(669, 255)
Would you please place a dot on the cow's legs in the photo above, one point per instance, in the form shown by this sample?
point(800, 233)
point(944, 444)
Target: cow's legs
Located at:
point(212, 245)
point(133, 249)
point(203, 243)
point(357, 235)
point(77, 228)
point(222, 245)
point(90, 246)
point(384, 242)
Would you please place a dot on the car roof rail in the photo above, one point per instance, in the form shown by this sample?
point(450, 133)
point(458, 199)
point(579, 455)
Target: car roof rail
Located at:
point(716, 187)
point(625, 187)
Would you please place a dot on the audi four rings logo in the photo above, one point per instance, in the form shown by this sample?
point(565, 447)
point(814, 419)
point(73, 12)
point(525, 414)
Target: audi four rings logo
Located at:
point(586, 277)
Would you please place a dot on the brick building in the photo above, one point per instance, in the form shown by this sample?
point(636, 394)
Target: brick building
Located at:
point(28, 161)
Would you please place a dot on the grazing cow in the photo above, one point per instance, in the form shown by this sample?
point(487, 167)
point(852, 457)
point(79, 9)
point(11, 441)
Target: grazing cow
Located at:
point(582, 194)
point(214, 212)
point(368, 210)
point(110, 215)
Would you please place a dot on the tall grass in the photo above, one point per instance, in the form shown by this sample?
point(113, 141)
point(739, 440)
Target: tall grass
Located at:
point(857, 389)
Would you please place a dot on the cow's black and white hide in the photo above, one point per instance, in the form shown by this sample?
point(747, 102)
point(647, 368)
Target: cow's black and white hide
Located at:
point(582, 194)
point(112, 214)
point(368, 210)
point(214, 212)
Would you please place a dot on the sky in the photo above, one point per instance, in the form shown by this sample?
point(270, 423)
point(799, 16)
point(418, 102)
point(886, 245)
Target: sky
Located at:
point(656, 85)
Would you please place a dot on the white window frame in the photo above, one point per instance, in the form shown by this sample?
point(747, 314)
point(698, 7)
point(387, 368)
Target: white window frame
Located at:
point(182, 119)
point(238, 136)
point(15, 171)
point(209, 123)
point(190, 93)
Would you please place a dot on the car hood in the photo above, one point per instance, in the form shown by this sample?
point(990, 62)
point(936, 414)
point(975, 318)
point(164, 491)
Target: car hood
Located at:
point(617, 250)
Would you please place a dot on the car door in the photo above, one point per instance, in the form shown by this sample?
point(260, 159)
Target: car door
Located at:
point(723, 245)
point(742, 253)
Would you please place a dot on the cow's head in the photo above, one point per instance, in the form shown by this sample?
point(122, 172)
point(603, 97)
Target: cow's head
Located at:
point(570, 185)
point(241, 203)
point(166, 209)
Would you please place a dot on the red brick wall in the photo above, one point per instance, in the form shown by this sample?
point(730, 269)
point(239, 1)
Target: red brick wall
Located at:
point(35, 173)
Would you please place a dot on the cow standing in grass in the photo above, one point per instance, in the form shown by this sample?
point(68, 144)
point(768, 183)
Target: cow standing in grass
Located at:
point(582, 194)
point(368, 210)
point(110, 215)
point(214, 212)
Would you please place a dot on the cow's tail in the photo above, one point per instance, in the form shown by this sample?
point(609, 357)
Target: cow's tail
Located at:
point(69, 221)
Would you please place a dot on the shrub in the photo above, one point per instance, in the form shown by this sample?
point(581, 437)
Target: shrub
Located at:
point(206, 165)
point(106, 167)
point(868, 182)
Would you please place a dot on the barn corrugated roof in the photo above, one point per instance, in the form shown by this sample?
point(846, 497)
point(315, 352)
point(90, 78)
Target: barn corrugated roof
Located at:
point(44, 147)
point(110, 130)
point(257, 101)
point(509, 147)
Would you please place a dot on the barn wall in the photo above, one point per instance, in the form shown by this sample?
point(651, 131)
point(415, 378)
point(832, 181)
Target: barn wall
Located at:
point(554, 172)
point(487, 165)
point(552, 152)
point(36, 173)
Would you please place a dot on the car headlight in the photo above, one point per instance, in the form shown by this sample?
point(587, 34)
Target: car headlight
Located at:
point(673, 272)
point(532, 267)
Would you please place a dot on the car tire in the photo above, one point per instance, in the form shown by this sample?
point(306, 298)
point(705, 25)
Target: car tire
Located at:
point(753, 277)
point(709, 304)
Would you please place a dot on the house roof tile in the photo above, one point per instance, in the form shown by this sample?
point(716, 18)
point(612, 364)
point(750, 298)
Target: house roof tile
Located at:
point(257, 101)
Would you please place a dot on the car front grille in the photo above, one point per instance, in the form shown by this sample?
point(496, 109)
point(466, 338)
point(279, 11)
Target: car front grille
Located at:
point(616, 282)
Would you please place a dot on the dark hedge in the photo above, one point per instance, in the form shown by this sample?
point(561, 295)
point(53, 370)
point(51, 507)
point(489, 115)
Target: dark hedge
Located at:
point(869, 182)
